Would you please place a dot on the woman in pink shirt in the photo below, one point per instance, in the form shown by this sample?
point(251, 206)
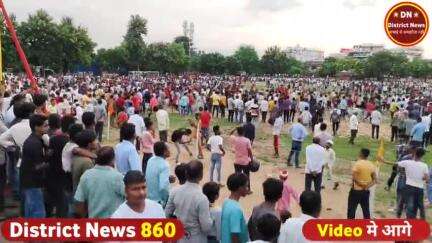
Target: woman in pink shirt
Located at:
point(284, 204)
point(147, 142)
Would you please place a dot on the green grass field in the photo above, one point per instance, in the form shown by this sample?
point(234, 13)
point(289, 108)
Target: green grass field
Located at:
point(346, 155)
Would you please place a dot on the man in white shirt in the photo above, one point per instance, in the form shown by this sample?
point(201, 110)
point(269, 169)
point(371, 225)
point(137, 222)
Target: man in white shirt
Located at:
point(292, 229)
point(138, 121)
point(163, 123)
point(277, 129)
point(353, 126)
point(417, 174)
point(264, 109)
point(315, 160)
point(426, 119)
point(376, 122)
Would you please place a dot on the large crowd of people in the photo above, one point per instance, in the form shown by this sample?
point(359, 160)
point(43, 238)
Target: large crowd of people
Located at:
point(53, 161)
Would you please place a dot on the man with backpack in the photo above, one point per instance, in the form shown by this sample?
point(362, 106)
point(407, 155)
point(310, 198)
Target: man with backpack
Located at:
point(335, 120)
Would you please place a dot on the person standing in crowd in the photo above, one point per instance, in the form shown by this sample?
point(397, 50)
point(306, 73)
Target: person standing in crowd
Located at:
point(191, 206)
point(242, 150)
point(157, 174)
point(54, 125)
point(329, 161)
point(277, 129)
point(239, 109)
point(264, 107)
point(233, 223)
point(272, 189)
point(126, 156)
point(101, 189)
point(205, 121)
point(323, 135)
point(315, 161)
point(33, 165)
point(417, 133)
point(56, 177)
point(211, 190)
point(163, 123)
point(376, 118)
point(215, 103)
point(147, 142)
point(426, 119)
point(231, 108)
point(353, 126)
point(137, 206)
point(298, 134)
point(395, 124)
point(86, 140)
point(306, 117)
point(101, 117)
point(217, 152)
point(417, 176)
point(292, 229)
point(268, 227)
point(249, 129)
point(88, 119)
point(335, 120)
point(139, 125)
point(409, 124)
point(364, 176)
point(288, 192)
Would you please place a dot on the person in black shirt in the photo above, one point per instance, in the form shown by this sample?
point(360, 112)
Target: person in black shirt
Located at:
point(249, 129)
point(32, 168)
point(56, 177)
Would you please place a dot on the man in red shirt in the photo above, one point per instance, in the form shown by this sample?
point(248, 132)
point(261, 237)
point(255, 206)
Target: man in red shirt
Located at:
point(205, 119)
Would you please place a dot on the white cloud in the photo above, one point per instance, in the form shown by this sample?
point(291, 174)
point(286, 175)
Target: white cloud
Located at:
point(353, 4)
point(223, 25)
point(272, 5)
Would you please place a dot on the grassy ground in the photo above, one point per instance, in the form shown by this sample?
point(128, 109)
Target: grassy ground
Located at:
point(346, 155)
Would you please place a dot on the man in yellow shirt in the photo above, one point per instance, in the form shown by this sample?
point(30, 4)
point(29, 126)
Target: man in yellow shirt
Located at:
point(364, 176)
point(215, 103)
point(222, 104)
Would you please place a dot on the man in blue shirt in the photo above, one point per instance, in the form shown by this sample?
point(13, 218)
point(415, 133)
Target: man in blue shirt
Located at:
point(417, 133)
point(298, 134)
point(233, 226)
point(127, 157)
point(158, 174)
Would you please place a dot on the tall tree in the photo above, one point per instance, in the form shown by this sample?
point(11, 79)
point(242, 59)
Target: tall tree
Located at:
point(213, 63)
point(274, 61)
point(77, 47)
point(134, 41)
point(232, 65)
point(166, 57)
point(39, 37)
point(10, 56)
point(248, 58)
point(112, 60)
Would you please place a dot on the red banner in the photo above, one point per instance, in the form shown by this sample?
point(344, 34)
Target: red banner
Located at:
point(92, 229)
point(366, 230)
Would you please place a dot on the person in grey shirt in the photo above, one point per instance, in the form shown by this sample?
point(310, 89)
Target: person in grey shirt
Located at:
point(191, 206)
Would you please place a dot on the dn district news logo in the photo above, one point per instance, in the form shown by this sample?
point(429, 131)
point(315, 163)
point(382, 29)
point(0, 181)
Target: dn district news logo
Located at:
point(406, 24)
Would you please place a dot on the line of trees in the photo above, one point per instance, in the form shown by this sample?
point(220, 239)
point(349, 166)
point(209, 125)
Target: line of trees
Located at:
point(64, 47)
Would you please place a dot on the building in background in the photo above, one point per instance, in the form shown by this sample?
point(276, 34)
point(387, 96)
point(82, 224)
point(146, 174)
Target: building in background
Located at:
point(306, 55)
point(410, 52)
point(365, 50)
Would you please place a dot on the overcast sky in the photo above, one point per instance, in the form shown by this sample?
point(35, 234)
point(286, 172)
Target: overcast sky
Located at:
point(223, 25)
